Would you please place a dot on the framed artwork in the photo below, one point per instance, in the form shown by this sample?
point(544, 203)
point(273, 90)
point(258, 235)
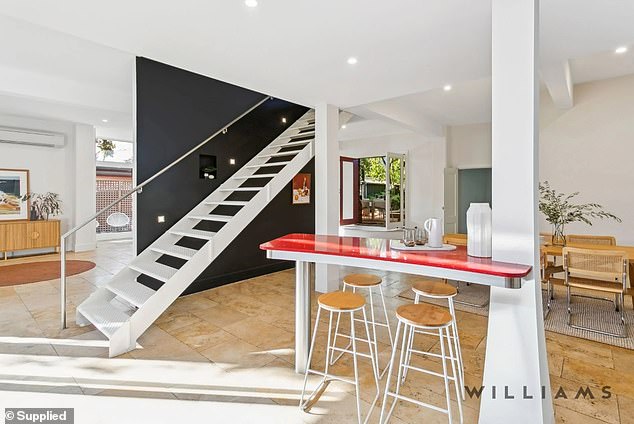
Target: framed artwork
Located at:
point(301, 189)
point(14, 184)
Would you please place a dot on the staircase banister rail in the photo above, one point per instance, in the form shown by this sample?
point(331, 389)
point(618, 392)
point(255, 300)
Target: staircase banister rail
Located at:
point(136, 189)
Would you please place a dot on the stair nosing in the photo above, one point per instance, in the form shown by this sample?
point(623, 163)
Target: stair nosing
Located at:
point(174, 254)
point(152, 274)
point(211, 217)
point(187, 233)
point(126, 295)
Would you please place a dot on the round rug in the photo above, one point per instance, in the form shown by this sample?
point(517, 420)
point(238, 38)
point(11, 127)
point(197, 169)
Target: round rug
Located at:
point(12, 275)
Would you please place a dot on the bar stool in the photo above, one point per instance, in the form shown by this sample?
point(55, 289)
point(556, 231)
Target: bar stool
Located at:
point(369, 282)
point(433, 320)
point(441, 290)
point(341, 302)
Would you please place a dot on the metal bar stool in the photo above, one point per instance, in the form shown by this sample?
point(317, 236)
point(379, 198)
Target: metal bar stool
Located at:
point(434, 320)
point(369, 282)
point(341, 302)
point(438, 290)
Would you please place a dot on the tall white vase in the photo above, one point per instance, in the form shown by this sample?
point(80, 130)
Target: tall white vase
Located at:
point(479, 230)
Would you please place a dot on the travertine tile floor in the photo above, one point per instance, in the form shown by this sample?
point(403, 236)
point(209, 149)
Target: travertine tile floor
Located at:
point(227, 353)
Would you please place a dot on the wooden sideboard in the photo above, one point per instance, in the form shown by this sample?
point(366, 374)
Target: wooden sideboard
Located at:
point(24, 235)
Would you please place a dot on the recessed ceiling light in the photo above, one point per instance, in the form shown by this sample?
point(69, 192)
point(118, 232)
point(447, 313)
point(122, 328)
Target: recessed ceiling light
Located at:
point(352, 60)
point(620, 50)
point(104, 120)
point(251, 3)
point(232, 161)
point(343, 127)
point(283, 120)
point(447, 87)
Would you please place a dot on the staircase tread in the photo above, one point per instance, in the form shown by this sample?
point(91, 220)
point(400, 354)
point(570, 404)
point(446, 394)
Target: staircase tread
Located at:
point(205, 235)
point(274, 155)
point(103, 315)
point(269, 164)
point(292, 143)
point(211, 217)
point(246, 177)
point(154, 269)
point(304, 134)
point(131, 291)
point(175, 251)
point(227, 202)
point(242, 189)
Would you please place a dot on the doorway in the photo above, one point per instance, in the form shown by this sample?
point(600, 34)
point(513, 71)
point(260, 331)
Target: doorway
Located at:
point(372, 191)
point(474, 186)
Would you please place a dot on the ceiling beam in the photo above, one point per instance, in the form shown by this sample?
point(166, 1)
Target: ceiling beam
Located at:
point(402, 116)
point(558, 80)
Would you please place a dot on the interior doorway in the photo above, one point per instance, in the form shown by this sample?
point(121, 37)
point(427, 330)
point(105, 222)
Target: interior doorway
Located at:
point(474, 186)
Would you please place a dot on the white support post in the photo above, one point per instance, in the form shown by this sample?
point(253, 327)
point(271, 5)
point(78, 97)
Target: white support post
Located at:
point(516, 362)
point(85, 186)
point(326, 188)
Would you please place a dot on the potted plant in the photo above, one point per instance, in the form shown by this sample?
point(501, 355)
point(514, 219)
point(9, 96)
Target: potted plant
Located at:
point(43, 206)
point(106, 147)
point(559, 210)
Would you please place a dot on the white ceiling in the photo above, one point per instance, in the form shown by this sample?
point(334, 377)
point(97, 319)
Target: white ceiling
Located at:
point(52, 75)
point(297, 50)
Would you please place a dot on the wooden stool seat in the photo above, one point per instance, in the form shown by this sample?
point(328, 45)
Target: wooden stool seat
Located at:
point(434, 289)
point(362, 280)
point(341, 301)
point(423, 315)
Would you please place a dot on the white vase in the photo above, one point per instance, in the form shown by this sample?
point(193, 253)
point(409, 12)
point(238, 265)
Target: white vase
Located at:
point(479, 230)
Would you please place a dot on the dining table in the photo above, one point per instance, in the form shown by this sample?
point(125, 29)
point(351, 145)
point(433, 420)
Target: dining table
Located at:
point(556, 250)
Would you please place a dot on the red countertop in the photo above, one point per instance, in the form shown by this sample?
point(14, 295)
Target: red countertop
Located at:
point(379, 249)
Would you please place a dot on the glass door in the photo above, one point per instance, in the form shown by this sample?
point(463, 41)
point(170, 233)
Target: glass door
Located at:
point(395, 190)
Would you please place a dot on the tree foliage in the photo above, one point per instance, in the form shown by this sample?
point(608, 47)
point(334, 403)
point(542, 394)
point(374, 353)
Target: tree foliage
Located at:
point(374, 169)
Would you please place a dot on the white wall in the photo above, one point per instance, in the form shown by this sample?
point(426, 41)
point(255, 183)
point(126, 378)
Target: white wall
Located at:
point(469, 146)
point(68, 171)
point(425, 164)
point(590, 148)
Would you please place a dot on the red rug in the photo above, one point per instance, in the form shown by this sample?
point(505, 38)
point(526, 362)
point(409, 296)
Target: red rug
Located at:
point(13, 275)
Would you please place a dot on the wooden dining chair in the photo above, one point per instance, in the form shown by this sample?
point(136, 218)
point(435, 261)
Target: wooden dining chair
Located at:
point(547, 270)
point(587, 239)
point(603, 271)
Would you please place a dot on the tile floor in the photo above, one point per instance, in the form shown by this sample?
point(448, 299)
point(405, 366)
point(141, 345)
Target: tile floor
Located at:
point(227, 353)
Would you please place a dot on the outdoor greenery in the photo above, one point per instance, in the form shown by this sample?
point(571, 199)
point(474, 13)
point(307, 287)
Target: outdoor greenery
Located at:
point(373, 169)
point(44, 205)
point(559, 210)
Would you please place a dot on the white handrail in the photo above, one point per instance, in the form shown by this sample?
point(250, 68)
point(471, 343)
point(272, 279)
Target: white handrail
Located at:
point(136, 189)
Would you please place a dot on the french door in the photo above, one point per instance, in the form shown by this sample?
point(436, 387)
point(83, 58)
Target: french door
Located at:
point(349, 205)
point(394, 190)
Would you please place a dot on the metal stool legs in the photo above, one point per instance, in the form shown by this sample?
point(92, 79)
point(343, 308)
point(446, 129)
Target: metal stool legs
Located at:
point(330, 348)
point(403, 365)
point(453, 338)
point(373, 323)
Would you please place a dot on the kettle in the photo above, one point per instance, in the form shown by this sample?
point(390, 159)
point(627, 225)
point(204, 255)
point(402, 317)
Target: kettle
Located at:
point(433, 226)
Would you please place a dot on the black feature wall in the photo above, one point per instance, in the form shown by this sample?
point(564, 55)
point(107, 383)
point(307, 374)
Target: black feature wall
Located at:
point(176, 110)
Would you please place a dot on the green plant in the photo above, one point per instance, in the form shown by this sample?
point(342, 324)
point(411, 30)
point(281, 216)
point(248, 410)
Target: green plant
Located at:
point(45, 205)
point(106, 147)
point(559, 210)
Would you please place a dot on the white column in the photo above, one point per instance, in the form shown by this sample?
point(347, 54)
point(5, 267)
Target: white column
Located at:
point(326, 188)
point(516, 362)
point(85, 186)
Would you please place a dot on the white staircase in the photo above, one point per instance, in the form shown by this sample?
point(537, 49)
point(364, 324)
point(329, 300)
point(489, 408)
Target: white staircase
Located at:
point(124, 308)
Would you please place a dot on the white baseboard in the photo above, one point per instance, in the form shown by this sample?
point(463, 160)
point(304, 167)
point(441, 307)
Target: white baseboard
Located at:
point(129, 235)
